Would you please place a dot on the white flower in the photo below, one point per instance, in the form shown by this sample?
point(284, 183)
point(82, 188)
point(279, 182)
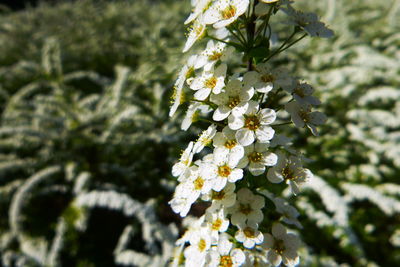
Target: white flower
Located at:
point(217, 222)
point(253, 124)
point(224, 198)
point(224, 12)
point(184, 162)
point(181, 202)
point(199, 7)
point(249, 235)
point(186, 72)
point(302, 93)
point(289, 212)
point(200, 243)
point(255, 259)
point(280, 140)
point(198, 182)
point(281, 246)
point(257, 157)
point(196, 32)
point(205, 138)
point(193, 225)
point(308, 21)
point(247, 208)
point(194, 182)
point(213, 53)
point(192, 113)
point(226, 140)
point(233, 100)
point(225, 256)
point(302, 115)
point(265, 79)
point(209, 81)
point(223, 169)
point(290, 170)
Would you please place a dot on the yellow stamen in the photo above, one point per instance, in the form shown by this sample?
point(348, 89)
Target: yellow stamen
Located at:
point(233, 101)
point(224, 171)
point(226, 261)
point(252, 122)
point(198, 183)
point(229, 144)
point(228, 12)
point(255, 156)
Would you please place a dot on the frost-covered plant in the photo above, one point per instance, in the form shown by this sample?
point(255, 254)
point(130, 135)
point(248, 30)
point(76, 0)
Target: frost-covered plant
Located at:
point(83, 154)
point(357, 163)
point(244, 151)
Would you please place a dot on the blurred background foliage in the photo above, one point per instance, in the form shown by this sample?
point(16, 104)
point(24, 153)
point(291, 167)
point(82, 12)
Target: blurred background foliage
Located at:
point(86, 144)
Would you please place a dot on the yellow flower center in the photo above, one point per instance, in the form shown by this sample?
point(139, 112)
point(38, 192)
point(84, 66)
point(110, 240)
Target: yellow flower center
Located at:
point(245, 209)
point(233, 101)
point(228, 12)
point(249, 232)
point(225, 261)
point(215, 56)
point(224, 171)
point(279, 246)
point(211, 82)
point(229, 144)
point(288, 173)
point(304, 115)
point(255, 156)
point(202, 245)
point(252, 122)
point(218, 195)
point(267, 78)
point(216, 225)
point(299, 91)
point(198, 183)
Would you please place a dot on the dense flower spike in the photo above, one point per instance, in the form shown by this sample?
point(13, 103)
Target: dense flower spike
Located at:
point(240, 154)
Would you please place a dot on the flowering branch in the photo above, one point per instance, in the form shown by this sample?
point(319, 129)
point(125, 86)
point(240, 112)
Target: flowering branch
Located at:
point(242, 152)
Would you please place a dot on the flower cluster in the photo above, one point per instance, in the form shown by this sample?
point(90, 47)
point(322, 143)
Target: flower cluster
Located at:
point(242, 152)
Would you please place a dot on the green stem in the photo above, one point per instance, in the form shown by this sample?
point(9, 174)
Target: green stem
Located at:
point(240, 38)
point(251, 28)
point(277, 51)
point(205, 102)
point(281, 124)
point(212, 122)
point(282, 48)
point(220, 40)
point(237, 28)
point(263, 27)
point(302, 37)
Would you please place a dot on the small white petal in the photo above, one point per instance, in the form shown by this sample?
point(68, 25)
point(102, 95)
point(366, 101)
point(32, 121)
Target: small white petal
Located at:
point(235, 123)
point(264, 134)
point(221, 113)
point(273, 177)
point(278, 230)
point(202, 94)
point(236, 174)
point(256, 168)
point(245, 137)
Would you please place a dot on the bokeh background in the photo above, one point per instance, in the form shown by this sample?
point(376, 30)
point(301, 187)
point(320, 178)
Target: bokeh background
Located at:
point(86, 144)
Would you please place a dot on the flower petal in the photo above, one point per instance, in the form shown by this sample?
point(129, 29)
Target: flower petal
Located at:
point(221, 113)
point(264, 134)
point(245, 137)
